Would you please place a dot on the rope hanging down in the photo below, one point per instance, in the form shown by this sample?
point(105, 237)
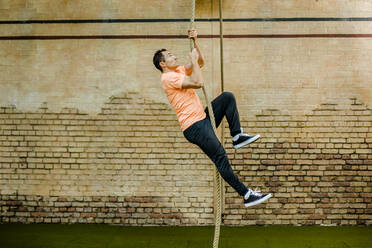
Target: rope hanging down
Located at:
point(217, 175)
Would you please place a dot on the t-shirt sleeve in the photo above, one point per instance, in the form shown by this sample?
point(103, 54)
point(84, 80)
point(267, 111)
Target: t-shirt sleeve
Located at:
point(174, 80)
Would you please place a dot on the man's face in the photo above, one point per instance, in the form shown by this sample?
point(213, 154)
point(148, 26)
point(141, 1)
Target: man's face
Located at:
point(170, 60)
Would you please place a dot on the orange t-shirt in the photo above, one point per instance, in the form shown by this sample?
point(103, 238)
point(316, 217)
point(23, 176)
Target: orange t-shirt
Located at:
point(185, 102)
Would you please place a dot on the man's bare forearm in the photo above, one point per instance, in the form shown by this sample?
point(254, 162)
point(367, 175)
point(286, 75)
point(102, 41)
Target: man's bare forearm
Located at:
point(196, 73)
point(201, 57)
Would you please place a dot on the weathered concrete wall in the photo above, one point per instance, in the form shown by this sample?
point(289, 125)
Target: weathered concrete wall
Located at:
point(87, 135)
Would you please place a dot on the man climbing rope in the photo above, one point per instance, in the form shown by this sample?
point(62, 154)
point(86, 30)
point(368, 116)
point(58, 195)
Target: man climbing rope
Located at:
point(179, 83)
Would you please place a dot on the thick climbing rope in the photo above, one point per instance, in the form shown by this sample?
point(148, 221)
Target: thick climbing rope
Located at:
point(218, 178)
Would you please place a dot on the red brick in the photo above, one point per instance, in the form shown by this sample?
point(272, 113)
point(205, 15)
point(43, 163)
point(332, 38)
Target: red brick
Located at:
point(88, 215)
point(317, 217)
point(38, 214)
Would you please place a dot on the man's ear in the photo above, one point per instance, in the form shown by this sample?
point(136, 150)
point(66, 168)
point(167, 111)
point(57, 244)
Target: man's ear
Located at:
point(162, 64)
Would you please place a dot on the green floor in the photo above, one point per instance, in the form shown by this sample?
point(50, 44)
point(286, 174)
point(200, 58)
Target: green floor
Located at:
point(86, 236)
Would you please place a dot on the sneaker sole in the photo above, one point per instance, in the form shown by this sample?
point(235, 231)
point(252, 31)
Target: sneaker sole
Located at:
point(248, 141)
point(258, 202)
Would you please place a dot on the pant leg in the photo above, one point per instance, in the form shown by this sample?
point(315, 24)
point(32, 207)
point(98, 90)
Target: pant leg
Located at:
point(225, 105)
point(201, 133)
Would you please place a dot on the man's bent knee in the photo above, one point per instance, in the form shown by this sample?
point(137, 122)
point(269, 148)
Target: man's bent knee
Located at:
point(228, 95)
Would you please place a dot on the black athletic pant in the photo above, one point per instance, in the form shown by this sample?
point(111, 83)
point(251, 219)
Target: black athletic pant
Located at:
point(201, 134)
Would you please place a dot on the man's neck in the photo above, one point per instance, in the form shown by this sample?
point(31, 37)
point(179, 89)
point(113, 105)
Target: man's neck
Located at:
point(167, 69)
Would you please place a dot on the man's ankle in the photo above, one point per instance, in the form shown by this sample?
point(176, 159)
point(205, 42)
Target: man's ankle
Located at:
point(237, 134)
point(246, 196)
point(236, 137)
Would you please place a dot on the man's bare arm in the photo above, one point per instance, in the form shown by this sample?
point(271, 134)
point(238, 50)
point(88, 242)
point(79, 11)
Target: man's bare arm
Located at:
point(195, 81)
point(193, 35)
point(201, 58)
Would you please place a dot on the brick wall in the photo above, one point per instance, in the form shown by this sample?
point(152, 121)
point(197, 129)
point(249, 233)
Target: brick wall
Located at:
point(131, 165)
point(318, 166)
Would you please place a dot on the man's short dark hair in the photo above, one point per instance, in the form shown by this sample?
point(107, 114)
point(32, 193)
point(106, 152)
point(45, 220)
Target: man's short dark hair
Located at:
point(159, 57)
